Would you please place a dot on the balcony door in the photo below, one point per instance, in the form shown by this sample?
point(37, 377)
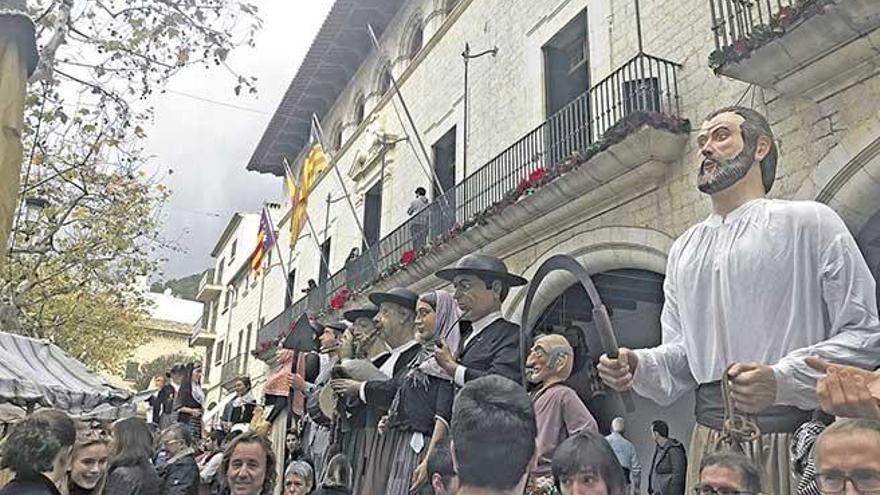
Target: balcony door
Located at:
point(444, 168)
point(566, 80)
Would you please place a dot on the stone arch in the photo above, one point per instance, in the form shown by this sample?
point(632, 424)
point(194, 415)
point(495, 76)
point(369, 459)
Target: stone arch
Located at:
point(382, 80)
point(849, 181)
point(413, 38)
point(601, 249)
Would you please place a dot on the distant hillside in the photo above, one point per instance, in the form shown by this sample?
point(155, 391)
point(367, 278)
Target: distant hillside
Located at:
point(185, 287)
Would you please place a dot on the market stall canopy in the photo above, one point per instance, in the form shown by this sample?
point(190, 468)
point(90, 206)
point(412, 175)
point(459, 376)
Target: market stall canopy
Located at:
point(34, 373)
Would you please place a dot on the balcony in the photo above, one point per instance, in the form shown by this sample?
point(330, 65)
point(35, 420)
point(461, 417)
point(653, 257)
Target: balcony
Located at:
point(232, 369)
point(812, 48)
point(200, 336)
point(623, 130)
point(209, 289)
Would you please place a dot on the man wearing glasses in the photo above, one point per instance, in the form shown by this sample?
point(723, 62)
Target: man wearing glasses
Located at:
point(728, 474)
point(848, 458)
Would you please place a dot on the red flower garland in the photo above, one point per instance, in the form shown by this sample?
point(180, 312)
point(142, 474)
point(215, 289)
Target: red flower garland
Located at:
point(407, 257)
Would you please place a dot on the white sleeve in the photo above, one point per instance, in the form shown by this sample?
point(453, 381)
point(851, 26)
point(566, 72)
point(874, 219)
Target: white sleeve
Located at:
point(210, 469)
point(663, 374)
point(849, 294)
point(460, 372)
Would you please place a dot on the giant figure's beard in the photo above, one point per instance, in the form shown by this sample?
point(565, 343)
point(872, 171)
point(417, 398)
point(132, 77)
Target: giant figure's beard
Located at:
point(726, 172)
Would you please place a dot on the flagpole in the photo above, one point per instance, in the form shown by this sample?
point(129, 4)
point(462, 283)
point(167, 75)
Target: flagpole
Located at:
point(278, 252)
point(406, 111)
point(320, 135)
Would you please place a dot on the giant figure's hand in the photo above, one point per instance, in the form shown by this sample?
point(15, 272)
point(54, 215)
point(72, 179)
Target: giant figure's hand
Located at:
point(753, 386)
point(346, 387)
point(618, 373)
point(444, 358)
point(846, 391)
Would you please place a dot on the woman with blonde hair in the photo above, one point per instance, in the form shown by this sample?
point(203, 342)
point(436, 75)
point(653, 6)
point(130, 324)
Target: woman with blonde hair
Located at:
point(89, 462)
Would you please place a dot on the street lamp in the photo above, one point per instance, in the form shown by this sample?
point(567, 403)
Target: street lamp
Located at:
point(467, 56)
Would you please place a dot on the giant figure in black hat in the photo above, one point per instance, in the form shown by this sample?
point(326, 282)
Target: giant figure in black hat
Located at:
point(396, 322)
point(489, 343)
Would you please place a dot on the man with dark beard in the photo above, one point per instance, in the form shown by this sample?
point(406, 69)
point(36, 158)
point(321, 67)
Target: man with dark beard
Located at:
point(749, 293)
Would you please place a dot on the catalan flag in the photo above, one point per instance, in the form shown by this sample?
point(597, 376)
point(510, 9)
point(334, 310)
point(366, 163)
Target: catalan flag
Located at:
point(265, 240)
point(314, 163)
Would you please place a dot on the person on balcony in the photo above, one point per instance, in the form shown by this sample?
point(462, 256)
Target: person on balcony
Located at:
point(418, 227)
point(396, 321)
point(750, 292)
point(490, 344)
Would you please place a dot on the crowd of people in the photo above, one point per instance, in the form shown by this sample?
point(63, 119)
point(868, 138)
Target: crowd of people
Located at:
point(770, 318)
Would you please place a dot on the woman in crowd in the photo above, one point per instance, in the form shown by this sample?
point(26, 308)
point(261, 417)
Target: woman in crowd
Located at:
point(131, 472)
point(189, 403)
point(299, 478)
point(37, 450)
point(584, 464)
point(89, 462)
point(337, 477)
point(421, 410)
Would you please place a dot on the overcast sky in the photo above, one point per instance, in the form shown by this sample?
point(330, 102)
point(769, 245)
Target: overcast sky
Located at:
point(207, 145)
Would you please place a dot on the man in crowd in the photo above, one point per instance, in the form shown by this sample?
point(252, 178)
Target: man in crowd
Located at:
point(493, 432)
point(848, 457)
point(669, 463)
point(559, 411)
point(489, 344)
point(626, 454)
point(442, 479)
point(180, 474)
point(249, 465)
point(728, 473)
point(749, 293)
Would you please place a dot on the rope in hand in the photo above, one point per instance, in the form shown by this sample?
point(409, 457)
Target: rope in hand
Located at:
point(738, 430)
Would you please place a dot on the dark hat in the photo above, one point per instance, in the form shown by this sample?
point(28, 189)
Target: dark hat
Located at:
point(398, 295)
point(339, 326)
point(302, 335)
point(482, 265)
point(177, 368)
point(368, 311)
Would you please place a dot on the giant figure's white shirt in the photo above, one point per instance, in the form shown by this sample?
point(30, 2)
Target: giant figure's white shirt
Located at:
point(773, 282)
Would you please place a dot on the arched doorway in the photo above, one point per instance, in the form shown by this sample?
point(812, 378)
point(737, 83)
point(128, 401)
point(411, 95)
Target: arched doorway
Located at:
point(868, 240)
point(635, 300)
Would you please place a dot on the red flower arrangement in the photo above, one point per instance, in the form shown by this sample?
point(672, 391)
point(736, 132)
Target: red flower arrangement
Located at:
point(337, 301)
point(407, 257)
point(532, 181)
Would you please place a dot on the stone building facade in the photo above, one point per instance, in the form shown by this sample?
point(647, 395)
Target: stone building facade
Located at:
point(593, 159)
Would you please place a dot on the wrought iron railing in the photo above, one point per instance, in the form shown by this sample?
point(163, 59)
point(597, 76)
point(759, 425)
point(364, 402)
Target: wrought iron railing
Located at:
point(197, 328)
point(736, 20)
point(207, 278)
point(644, 84)
point(232, 369)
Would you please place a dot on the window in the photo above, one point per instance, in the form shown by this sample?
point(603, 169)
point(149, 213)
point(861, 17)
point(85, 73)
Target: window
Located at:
point(324, 269)
point(384, 81)
point(213, 325)
point(246, 283)
point(262, 321)
point(232, 251)
point(240, 342)
point(209, 352)
point(414, 44)
point(131, 371)
point(290, 289)
point(359, 109)
point(219, 353)
point(337, 137)
point(450, 5)
point(227, 299)
point(247, 346)
point(218, 278)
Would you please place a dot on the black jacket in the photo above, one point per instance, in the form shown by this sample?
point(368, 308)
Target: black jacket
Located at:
point(668, 469)
point(180, 477)
point(138, 479)
point(36, 484)
point(379, 394)
point(494, 351)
